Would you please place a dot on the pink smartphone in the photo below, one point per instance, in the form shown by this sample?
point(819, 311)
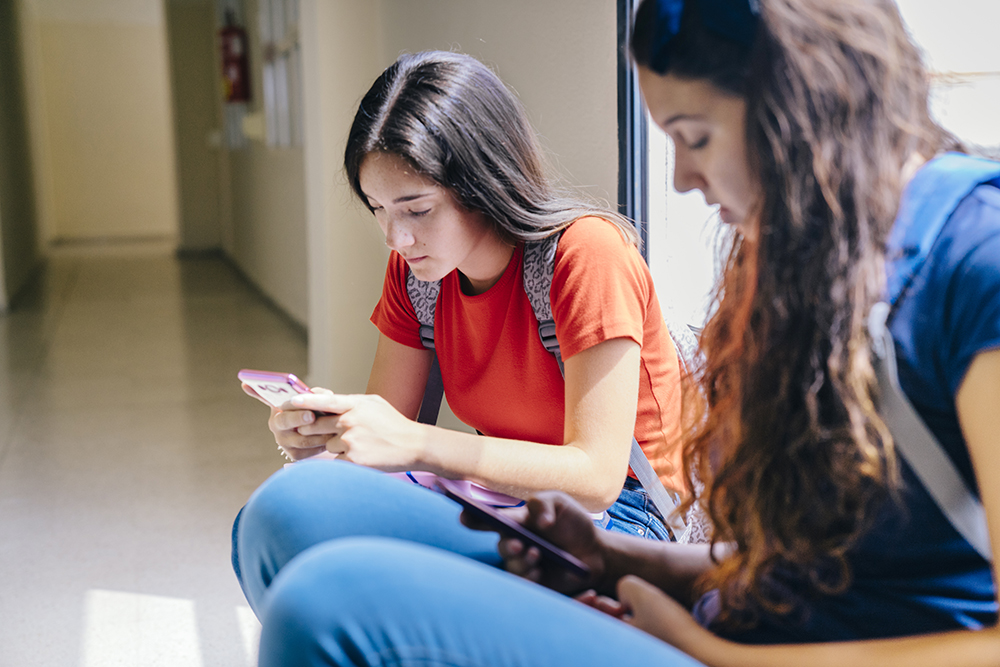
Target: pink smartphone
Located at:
point(275, 388)
point(508, 527)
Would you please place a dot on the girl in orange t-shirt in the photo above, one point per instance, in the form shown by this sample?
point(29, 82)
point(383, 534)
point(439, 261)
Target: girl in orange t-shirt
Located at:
point(442, 154)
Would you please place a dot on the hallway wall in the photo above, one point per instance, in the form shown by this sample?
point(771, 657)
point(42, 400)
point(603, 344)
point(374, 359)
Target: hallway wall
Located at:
point(340, 58)
point(559, 56)
point(195, 84)
point(268, 203)
point(102, 79)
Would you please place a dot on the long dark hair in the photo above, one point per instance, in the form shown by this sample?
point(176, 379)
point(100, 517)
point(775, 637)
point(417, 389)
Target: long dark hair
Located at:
point(453, 120)
point(836, 104)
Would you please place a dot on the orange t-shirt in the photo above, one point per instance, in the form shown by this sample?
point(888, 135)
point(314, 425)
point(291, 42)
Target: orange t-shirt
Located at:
point(498, 377)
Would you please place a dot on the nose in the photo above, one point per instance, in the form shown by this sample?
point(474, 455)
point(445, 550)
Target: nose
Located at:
point(687, 174)
point(397, 235)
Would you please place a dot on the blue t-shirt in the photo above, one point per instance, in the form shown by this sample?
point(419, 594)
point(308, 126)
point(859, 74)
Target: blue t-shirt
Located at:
point(913, 573)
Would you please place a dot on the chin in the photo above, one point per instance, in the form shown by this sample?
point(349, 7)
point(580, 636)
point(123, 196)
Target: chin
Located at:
point(427, 274)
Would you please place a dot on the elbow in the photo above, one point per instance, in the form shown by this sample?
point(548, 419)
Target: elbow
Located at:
point(605, 495)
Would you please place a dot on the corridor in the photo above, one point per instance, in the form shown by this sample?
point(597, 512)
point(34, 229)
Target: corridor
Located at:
point(126, 449)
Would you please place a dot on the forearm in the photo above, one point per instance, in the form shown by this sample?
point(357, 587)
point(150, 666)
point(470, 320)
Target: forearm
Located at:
point(669, 566)
point(955, 649)
point(521, 468)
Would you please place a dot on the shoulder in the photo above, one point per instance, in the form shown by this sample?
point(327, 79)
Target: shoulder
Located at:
point(593, 231)
point(594, 256)
point(959, 292)
point(972, 234)
point(988, 197)
point(395, 288)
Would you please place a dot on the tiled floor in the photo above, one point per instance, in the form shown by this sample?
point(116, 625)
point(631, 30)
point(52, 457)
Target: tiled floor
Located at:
point(126, 449)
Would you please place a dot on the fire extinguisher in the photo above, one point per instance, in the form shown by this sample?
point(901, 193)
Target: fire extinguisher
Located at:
point(235, 64)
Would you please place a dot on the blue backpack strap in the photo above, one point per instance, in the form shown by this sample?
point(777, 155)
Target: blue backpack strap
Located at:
point(423, 296)
point(928, 203)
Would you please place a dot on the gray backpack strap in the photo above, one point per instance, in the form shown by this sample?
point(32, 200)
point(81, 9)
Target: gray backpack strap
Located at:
point(539, 265)
point(664, 501)
point(686, 343)
point(919, 447)
point(423, 297)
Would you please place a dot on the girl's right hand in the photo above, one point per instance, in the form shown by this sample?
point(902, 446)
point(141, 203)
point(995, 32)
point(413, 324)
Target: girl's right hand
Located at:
point(284, 425)
point(564, 522)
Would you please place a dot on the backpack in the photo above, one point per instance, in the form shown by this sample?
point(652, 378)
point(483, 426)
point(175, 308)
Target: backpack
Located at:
point(940, 186)
point(538, 267)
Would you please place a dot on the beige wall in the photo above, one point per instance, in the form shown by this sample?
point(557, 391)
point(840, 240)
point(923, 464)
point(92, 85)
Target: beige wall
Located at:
point(104, 97)
point(268, 205)
point(558, 55)
point(340, 48)
point(196, 111)
point(268, 218)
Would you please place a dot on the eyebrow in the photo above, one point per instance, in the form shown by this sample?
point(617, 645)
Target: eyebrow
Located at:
point(683, 116)
point(404, 198)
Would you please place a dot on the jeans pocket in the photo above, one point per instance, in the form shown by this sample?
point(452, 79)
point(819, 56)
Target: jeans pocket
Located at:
point(632, 514)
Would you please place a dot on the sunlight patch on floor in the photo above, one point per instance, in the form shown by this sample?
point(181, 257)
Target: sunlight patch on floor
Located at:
point(129, 629)
point(249, 631)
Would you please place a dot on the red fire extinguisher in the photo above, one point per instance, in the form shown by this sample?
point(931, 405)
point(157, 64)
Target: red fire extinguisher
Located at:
point(235, 64)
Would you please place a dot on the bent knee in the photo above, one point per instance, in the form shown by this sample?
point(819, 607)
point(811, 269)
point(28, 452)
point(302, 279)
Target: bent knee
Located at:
point(316, 600)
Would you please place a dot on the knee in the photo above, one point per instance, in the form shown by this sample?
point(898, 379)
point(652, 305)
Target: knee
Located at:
point(296, 495)
point(287, 515)
point(317, 603)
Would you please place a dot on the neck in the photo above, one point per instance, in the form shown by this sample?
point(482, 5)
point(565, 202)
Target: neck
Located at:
point(486, 268)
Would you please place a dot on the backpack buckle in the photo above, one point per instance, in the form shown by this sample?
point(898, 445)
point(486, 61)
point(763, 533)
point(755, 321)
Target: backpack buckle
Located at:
point(427, 336)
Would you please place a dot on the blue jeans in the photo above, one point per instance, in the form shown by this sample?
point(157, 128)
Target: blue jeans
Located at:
point(635, 514)
point(345, 566)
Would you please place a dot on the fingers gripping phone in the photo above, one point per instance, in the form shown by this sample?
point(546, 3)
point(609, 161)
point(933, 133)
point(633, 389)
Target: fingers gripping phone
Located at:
point(275, 388)
point(508, 527)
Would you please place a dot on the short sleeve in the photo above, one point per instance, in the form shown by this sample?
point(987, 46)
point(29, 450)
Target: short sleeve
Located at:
point(394, 315)
point(600, 287)
point(973, 318)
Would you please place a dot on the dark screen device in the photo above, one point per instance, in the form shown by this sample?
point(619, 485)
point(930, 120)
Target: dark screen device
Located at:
point(510, 528)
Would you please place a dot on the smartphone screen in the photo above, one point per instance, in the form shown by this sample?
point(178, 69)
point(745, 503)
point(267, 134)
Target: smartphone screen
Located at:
point(275, 388)
point(507, 526)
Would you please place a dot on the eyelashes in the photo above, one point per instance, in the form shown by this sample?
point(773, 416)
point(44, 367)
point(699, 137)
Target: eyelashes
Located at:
point(414, 214)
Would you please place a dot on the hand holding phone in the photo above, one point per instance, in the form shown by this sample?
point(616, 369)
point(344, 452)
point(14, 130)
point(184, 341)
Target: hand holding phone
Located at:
point(508, 527)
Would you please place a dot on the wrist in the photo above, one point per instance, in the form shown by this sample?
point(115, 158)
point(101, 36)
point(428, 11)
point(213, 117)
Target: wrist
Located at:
point(419, 439)
point(608, 568)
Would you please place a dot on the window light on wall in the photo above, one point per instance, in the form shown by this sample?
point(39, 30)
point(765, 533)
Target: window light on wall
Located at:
point(282, 67)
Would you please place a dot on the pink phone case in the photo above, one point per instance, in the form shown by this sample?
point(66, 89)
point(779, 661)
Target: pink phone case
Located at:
point(507, 526)
point(275, 388)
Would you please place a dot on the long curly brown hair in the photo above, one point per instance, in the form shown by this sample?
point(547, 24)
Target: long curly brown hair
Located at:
point(792, 451)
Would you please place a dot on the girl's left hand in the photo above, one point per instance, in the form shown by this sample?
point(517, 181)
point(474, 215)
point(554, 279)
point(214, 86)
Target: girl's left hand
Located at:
point(364, 429)
point(656, 613)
